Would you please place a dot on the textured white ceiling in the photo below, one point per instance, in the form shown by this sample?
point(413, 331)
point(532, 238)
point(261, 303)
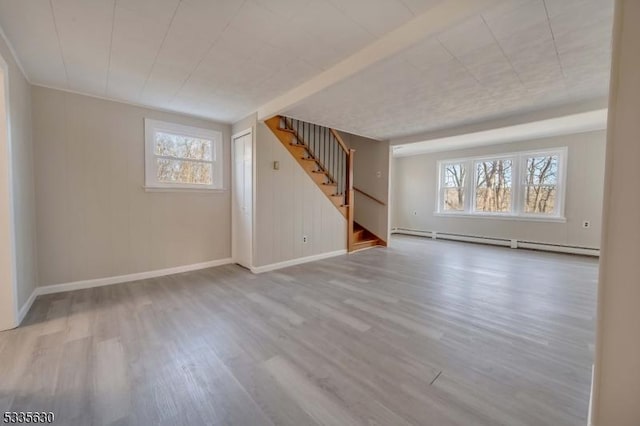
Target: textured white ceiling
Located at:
point(519, 56)
point(223, 59)
point(220, 59)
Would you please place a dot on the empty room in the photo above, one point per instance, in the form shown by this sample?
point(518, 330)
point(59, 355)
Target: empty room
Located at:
point(320, 212)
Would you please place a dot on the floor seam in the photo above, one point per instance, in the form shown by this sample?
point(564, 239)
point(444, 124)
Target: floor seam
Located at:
point(435, 378)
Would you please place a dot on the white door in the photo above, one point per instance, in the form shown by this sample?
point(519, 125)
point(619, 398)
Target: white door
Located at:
point(242, 198)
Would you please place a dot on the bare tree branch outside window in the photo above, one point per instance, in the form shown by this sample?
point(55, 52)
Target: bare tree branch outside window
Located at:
point(525, 184)
point(493, 186)
point(541, 181)
point(183, 159)
point(453, 187)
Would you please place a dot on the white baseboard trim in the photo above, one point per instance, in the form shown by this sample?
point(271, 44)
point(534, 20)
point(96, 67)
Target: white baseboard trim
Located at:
point(413, 232)
point(558, 248)
point(590, 413)
point(27, 305)
point(298, 261)
point(98, 282)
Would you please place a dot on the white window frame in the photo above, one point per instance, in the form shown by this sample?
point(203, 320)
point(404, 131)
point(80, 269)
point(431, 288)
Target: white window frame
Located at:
point(518, 166)
point(217, 162)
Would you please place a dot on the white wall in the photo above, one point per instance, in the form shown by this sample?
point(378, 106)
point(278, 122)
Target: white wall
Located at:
point(250, 121)
point(94, 219)
point(616, 398)
point(289, 205)
point(23, 181)
point(371, 175)
point(414, 187)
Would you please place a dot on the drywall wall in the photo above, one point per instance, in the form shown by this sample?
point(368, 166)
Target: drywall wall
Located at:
point(370, 175)
point(414, 184)
point(94, 218)
point(23, 182)
point(249, 122)
point(617, 368)
point(289, 206)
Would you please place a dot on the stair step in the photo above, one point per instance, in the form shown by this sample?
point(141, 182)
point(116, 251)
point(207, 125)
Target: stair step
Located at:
point(304, 157)
point(365, 244)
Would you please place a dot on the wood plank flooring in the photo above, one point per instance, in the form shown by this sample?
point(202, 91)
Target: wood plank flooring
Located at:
point(422, 333)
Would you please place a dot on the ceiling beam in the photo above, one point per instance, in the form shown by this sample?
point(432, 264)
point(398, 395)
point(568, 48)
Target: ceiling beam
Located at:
point(429, 23)
point(531, 116)
point(570, 124)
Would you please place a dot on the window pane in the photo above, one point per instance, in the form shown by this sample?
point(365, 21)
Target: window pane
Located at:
point(454, 175)
point(178, 171)
point(542, 170)
point(177, 146)
point(493, 186)
point(453, 199)
point(540, 199)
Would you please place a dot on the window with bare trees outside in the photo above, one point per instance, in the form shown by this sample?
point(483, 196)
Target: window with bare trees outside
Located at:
point(182, 157)
point(453, 184)
point(522, 184)
point(493, 186)
point(540, 184)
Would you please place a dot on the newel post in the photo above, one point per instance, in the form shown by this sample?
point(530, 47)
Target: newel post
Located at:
point(350, 199)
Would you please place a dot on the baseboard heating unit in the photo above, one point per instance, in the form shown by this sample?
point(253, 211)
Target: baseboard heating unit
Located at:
point(513, 243)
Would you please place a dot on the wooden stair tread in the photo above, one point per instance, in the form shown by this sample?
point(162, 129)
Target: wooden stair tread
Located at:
point(302, 154)
point(367, 241)
point(359, 245)
point(360, 238)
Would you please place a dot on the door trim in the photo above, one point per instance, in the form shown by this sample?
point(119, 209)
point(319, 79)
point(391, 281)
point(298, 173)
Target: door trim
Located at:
point(245, 132)
point(13, 305)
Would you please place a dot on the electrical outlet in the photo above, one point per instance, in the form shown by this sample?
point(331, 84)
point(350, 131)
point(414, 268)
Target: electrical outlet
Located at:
point(586, 224)
point(415, 213)
point(378, 174)
point(304, 239)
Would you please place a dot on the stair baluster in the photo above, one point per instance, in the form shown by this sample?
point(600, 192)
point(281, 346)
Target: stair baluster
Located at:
point(328, 160)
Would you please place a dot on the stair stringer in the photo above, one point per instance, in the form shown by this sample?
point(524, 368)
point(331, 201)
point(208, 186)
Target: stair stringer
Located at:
point(309, 166)
point(291, 206)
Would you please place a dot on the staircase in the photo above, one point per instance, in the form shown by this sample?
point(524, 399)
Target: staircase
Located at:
point(325, 157)
point(363, 239)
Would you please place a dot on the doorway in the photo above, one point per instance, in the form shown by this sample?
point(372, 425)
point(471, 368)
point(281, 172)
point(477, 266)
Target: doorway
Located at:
point(8, 290)
point(242, 198)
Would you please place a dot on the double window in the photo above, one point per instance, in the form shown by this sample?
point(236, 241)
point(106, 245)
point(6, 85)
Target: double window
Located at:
point(182, 157)
point(522, 184)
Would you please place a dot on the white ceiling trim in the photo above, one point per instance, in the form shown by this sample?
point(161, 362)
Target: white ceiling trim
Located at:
point(569, 124)
point(429, 23)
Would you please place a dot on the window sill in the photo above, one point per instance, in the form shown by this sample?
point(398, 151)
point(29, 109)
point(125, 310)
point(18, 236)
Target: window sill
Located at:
point(194, 190)
point(552, 219)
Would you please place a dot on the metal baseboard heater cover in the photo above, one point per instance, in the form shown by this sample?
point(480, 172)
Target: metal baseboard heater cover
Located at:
point(504, 242)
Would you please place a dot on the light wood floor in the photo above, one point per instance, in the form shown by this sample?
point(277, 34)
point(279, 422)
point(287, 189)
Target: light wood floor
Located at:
point(424, 333)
